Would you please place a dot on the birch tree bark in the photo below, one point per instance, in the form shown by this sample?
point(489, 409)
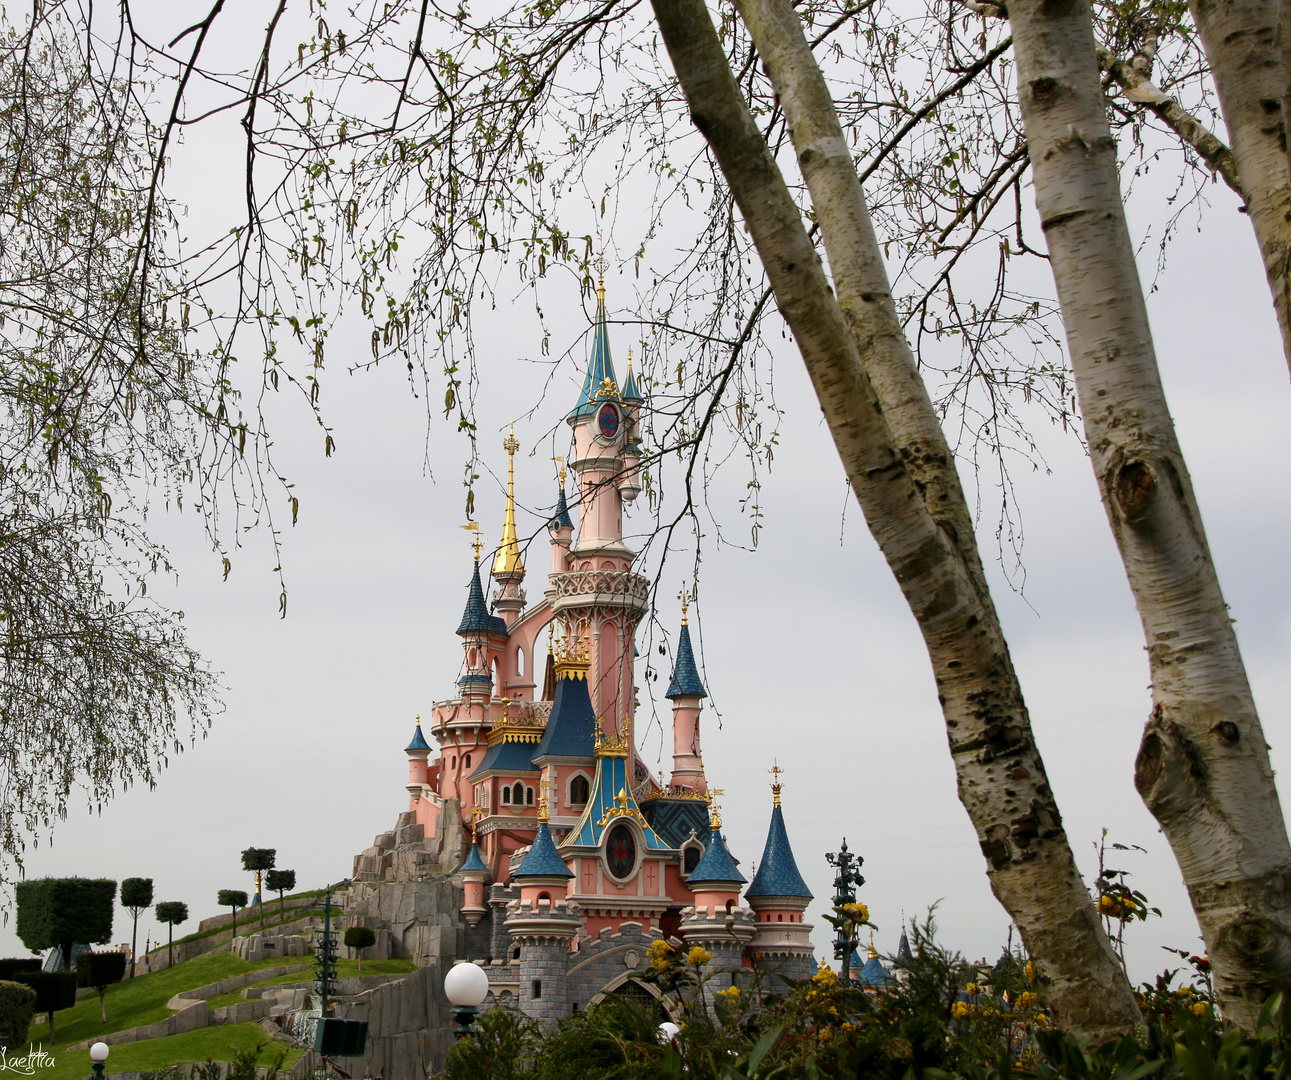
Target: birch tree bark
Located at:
point(1242, 46)
point(1001, 776)
point(1203, 766)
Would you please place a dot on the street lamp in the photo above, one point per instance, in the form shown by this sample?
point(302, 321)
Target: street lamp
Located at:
point(98, 1057)
point(668, 1032)
point(466, 986)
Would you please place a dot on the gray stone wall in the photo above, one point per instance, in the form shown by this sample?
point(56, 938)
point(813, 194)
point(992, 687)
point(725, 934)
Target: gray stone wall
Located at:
point(500, 947)
point(409, 1025)
point(543, 990)
point(598, 963)
point(423, 916)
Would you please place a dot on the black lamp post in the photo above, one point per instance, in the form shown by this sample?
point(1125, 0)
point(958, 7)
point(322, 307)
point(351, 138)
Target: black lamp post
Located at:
point(846, 882)
point(466, 986)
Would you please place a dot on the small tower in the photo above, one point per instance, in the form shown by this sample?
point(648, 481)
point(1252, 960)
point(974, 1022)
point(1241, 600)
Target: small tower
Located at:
point(561, 528)
point(686, 691)
point(717, 923)
point(508, 567)
point(542, 924)
point(418, 752)
point(474, 876)
point(778, 897)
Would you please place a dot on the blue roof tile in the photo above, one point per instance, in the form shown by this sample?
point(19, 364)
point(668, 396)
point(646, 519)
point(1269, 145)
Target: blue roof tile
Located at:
point(685, 675)
point(600, 367)
point(476, 618)
point(543, 859)
point(777, 873)
point(473, 860)
point(418, 740)
point(508, 758)
point(602, 811)
point(904, 955)
point(560, 519)
point(873, 973)
point(572, 725)
point(631, 392)
point(716, 867)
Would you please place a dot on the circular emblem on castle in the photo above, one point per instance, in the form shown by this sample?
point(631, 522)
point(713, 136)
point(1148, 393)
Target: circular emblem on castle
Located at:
point(608, 421)
point(621, 851)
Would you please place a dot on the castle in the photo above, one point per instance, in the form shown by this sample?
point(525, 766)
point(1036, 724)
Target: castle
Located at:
point(570, 856)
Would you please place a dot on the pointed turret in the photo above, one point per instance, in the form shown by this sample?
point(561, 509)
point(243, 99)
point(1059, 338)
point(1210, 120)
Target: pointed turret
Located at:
point(779, 896)
point(418, 741)
point(904, 956)
point(685, 674)
point(561, 528)
point(571, 727)
point(476, 618)
point(508, 567)
point(716, 868)
point(686, 691)
point(630, 389)
point(543, 860)
point(418, 752)
point(600, 368)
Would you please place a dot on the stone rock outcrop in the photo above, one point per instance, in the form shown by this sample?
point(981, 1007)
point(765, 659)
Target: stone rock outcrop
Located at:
point(405, 853)
point(422, 916)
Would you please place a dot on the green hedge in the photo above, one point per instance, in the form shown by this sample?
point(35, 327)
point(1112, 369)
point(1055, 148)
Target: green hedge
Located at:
point(17, 1004)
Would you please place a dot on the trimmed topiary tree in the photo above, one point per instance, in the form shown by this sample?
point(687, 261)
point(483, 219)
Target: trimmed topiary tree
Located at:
point(17, 1003)
point(100, 970)
point(172, 913)
point(136, 894)
point(232, 899)
point(58, 912)
point(258, 860)
point(55, 990)
point(11, 965)
point(360, 938)
point(280, 881)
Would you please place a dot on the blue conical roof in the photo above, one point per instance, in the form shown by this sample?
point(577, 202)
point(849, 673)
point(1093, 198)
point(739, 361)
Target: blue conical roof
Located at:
point(716, 867)
point(685, 675)
point(543, 859)
point(571, 727)
point(476, 618)
point(778, 872)
point(473, 860)
point(600, 367)
point(873, 973)
point(904, 955)
point(630, 390)
point(561, 519)
point(418, 740)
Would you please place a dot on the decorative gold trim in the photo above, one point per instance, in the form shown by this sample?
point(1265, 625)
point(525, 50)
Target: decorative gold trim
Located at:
point(688, 794)
point(622, 809)
point(519, 729)
point(508, 559)
point(619, 746)
point(775, 772)
point(608, 391)
point(713, 793)
point(571, 657)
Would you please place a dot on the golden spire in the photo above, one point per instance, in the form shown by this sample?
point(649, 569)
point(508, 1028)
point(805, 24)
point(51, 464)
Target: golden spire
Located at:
point(508, 560)
point(601, 265)
point(477, 541)
point(477, 812)
point(713, 793)
point(775, 772)
point(544, 810)
point(685, 596)
point(873, 951)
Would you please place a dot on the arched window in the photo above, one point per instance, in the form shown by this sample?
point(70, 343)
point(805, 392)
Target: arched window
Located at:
point(691, 859)
point(779, 918)
point(468, 761)
point(454, 761)
point(506, 794)
point(519, 660)
point(528, 796)
point(578, 791)
point(730, 906)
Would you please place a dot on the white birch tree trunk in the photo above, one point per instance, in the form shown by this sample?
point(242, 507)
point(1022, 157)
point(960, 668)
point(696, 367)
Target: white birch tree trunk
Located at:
point(1203, 766)
point(1001, 777)
point(1245, 56)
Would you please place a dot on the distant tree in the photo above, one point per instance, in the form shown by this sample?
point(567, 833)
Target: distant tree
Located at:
point(136, 894)
point(100, 970)
point(17, 1003)
point(172, 913)
point(232, 899)
point(55, 990)
point(280, 881)
point(360, 938)
point(57, 912)
point(258, 860)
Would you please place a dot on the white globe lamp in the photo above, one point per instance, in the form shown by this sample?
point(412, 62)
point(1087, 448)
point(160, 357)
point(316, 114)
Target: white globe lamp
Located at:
point(466, 986)
point(668, 1032)
point(98, 1057)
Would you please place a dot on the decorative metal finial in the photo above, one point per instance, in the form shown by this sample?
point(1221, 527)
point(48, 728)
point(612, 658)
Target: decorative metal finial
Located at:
point(478, 542)
point(775, 772)
point(600, 265)
point(510, 444)
point(544, 807)
point(551, 633)
point(713, 794)
point(685, 596)
point(562, 471)
point(477, 812)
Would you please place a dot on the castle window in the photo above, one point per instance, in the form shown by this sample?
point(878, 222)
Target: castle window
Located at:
point(506, 794)
point(519, 661)
point(515, 954)
point(468, 761)
point(454, 761)
point(528, 796)
point(690, 859)
point(578, 791)
point(779, 918)
point(621, 851)
point(537, 989)
point(730, 906)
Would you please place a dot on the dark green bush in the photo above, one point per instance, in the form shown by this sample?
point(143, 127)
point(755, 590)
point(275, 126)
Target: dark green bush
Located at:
point(17, 1004)
point(55, 990)
point(56, 912)
point(10, 966)
point(499, 1048)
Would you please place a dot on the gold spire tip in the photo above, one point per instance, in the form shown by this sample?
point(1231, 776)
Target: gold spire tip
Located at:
point(775, 772)
point(685, 596)
point(714, 809)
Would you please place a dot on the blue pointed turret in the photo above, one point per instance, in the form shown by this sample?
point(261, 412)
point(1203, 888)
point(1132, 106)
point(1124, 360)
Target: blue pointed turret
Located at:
point(873, 973)
point(904, 955)
point(631, 392)
point(600, 367)
point(476, 618)
point(571, 727)
point(474, 861)
point(561, 519)
point(716, 867)
point(543, 859)
point(418, 740)
point(685, 675)
point(777, 873)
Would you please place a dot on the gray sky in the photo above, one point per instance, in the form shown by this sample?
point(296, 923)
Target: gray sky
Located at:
point(808, 651)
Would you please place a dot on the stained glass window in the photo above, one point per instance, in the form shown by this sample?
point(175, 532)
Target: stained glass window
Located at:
point(621, 851)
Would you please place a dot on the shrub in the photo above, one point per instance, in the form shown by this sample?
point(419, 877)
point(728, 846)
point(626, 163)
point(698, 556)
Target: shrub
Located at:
point(55, 990)
point(100, 970)
point(57, 912)
point(10, 966)
point(136, 896)
point(360, 938)
point(17, 1004)
point(615, 1040)
point(498, 1049)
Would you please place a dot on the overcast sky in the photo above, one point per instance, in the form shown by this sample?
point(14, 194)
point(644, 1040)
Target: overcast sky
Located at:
point(808, 650)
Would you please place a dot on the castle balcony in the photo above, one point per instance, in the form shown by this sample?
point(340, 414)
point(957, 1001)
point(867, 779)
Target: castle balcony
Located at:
point(450, 715)
point(599, 588)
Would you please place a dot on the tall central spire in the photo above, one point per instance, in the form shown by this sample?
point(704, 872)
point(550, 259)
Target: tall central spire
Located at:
point(508, 560)
point(600, 381)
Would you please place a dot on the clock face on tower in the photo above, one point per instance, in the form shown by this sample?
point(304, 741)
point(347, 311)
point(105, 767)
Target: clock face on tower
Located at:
point(607, 421)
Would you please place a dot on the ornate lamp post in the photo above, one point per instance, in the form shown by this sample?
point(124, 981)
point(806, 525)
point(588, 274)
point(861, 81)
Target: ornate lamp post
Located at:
point(466, 986)
point(98, 1058)
point(846, 882)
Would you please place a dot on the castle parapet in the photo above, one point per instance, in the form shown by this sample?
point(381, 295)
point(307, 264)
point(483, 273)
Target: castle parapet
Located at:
point(601, 588)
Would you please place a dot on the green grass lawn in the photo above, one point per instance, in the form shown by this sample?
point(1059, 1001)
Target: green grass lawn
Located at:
point(252, 923)
point(143, 1000)
point(345, 968)
point(217, 1043)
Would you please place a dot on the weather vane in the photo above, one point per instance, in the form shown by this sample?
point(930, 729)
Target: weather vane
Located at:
point(775, 772)
point(478, 542)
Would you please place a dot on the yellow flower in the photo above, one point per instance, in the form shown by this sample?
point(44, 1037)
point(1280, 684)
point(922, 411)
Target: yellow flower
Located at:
point(1200, 1009)
point(826, 976)
point(961, 1010)
point(1030, 971)
point(698, 956)
point(731, 993)
point(1028, 1000)
point(856, 912)
point(661, 954)
point(1187, 990)
point(972, 988)
point(1042, 1019)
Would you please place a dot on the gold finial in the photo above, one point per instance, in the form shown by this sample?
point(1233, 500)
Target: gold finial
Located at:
point(873, 951)
point(478, 542)
point(600, 265)
point(544, 809)
point(685, 596)
point(562, 471)
point(619, 745)
point(508, 560)
point(775, 772)
point(713, 794)
point(477, 812)
point(551, 633)
point(571, 658)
